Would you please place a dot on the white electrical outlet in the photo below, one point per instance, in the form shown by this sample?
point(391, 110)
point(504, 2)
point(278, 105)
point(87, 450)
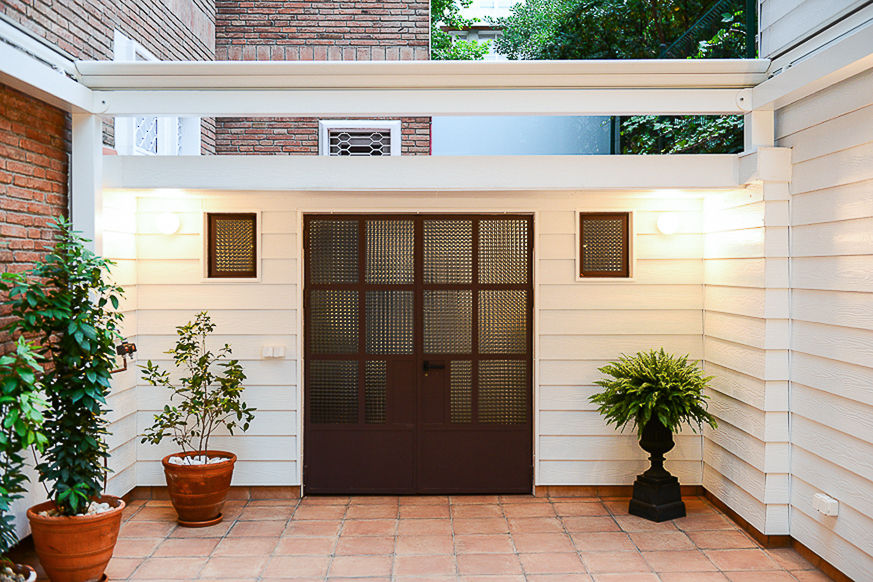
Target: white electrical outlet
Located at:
point(273, 352)
point(825, 504)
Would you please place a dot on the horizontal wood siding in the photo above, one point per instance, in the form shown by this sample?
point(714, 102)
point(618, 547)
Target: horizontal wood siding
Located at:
point(783, 23)
point(832, 310)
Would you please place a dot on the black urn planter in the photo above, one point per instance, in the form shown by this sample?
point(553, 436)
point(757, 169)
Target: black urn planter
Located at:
point(657, 496)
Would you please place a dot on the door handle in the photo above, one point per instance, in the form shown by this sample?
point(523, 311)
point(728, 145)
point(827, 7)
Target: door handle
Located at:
point(428, 366)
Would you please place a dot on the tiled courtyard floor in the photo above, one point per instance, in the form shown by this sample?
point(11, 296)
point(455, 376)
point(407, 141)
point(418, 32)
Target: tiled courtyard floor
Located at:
point(486, 538)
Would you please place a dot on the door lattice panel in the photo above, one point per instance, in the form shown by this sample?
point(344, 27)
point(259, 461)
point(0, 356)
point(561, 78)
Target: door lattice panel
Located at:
point(390, 251)
point(503, 322)
point(448, 317)
point(503, 391)
point(375, 382)
point(333, 391)
point(503, 251)
point(334, 316)
point(333, 257)
point(461, 391)
point(448, 251)
point(389, 322)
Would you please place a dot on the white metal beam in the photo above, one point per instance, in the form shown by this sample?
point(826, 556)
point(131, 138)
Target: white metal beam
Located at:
point(86, 174)
point(422, 102)
point(422, 173)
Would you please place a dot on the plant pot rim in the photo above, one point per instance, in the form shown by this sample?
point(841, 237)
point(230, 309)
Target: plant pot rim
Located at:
point(210, 453)
point(33, 513)
point(21, 569)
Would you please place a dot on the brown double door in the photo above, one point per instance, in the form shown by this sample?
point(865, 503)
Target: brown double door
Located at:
point(417, 363)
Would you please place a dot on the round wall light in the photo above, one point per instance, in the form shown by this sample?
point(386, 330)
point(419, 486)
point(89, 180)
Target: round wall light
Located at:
point(168, 223)
point(668, 223)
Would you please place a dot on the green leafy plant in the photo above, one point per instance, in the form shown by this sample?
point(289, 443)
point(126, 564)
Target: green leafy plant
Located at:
point(653, 384)
point(443, 46)
point(21, 427)
point(207, 399)
point(65, 303)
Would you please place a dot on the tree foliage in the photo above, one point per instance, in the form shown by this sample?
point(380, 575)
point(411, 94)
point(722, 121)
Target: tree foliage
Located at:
point(68, 306)
point(443, 46)
point(208, 399)
point(21, 422)
point(531, 26)
point(653, 384)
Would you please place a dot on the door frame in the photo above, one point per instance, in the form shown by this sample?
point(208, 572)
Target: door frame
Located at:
point(436, 210)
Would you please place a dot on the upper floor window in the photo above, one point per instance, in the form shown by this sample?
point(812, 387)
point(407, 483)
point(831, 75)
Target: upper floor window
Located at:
point(358, 137)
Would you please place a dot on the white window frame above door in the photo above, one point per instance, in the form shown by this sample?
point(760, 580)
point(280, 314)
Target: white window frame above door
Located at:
point(391, 125)
point(177, 136)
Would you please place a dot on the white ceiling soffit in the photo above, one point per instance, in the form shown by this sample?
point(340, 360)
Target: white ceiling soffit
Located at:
point(200, 75)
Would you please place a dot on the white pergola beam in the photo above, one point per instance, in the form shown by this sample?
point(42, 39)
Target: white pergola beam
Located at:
point(422, 173)
point(86, 176)
point(28, 75)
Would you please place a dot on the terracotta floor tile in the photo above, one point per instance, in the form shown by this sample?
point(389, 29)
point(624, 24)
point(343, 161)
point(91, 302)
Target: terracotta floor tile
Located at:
point(483, 544)
point(327, 500)
point(609, 562)
point(679, 561)
point(529, 510)
point(233, 567)
point(424, 511)
point(661, 540)
point(186, 547)
point(369, 527)
point(146, 529)
point(811, 576)
point(136, 547)
point(692, 577)
point(558, 578)
point(246, 546)
point(266, 513)
point(297, 566)
point(566, 508)
point(491, 564)
point(789, 559)
point(375, 500)
point(386, 511)
point(502, 578)
point(120, 568)
point(312, 528)
point(213, 531)
point(168, 569)
point(528, 543)
point(508, 499)
point(589, 524)
point(704, 521)
point(625, 577)
point(301, 546)
point(631, 523)
point(256, 528)
point(155, 514)
point(476, 510)
point(416, 527)
point(292, 503)
point(364, 545)
point(424, 545)
point(552, 563)
point(729, 560)
point(480, 525)
point(474, 499)
point(423, 499)
point(763, 576)
point(359, 566)
point(535, 524)
point(320, 512)
point(603, 542)
point(721, 540)
point(424, 565)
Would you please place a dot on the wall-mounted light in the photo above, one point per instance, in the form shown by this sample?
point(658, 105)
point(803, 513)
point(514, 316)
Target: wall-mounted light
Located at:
point(168, 223)
point(668, 223)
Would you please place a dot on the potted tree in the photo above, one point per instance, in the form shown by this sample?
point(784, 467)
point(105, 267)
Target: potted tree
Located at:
point(21, 427)
point(656, 393)
point(198, 478)
point(67, 306)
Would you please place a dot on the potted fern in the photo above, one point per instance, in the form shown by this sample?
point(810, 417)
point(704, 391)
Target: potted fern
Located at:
point(656, 393)
point(66, 304)
point(198, 478)
point(20, 405)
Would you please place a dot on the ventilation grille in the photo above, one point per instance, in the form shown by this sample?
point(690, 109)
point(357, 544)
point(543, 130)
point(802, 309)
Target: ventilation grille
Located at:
point(232, 245)
point(359, 142)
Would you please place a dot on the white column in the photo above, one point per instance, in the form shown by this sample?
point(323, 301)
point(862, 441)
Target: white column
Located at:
point(86, 177)
point(759, 130)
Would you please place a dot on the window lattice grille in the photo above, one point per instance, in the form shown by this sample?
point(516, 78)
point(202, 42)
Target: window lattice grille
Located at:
point(232, 245)
point(604, 242)
point(147, 135)
point(359, 142)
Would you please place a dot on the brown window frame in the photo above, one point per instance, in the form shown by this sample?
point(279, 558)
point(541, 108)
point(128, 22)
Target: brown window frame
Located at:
point(626, 246)
point(211, 271)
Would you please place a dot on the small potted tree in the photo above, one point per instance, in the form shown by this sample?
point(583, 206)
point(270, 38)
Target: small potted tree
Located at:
point(198, 478)
point(21, 427)
point(656, 393)
point(67, 306)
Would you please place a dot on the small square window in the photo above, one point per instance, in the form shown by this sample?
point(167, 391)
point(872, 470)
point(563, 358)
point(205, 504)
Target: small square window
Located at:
point(604, 244)
point(232, 245)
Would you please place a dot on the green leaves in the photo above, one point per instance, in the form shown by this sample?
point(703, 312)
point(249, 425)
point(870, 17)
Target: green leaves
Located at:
point(653, 384)
point(63, 301)
point(447, 14)
point(207, 399)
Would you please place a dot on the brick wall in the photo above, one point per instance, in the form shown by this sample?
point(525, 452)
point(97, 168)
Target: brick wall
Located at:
point(169, 29)
point(34, 140)
point(318, 30)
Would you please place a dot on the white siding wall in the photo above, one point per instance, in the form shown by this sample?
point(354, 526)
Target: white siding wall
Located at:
point(746, 350)
point(581, 325)
point(782, 23)
point(831, 134)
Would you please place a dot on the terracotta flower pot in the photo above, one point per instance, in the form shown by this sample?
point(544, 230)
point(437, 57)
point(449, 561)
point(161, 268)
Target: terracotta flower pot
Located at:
point(75, 548)
point(198, 491)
